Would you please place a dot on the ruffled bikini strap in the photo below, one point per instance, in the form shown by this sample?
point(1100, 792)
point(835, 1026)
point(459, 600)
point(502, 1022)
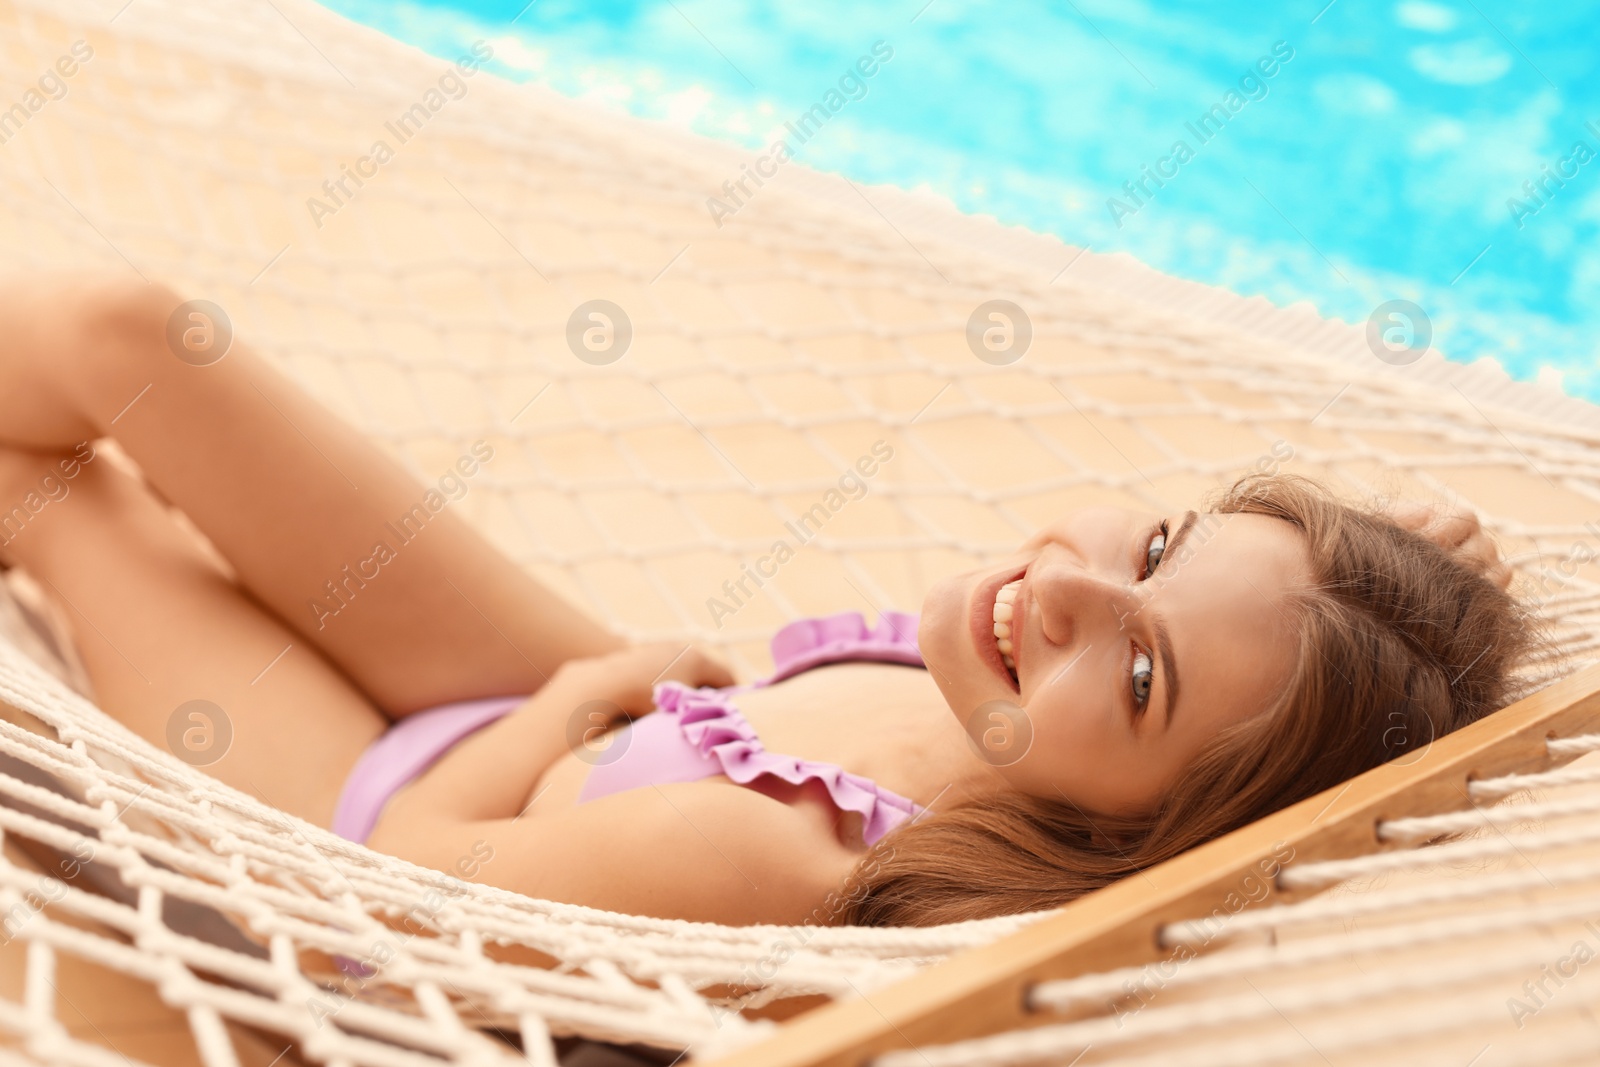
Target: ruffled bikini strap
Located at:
point(719, 730)
point(807, 643)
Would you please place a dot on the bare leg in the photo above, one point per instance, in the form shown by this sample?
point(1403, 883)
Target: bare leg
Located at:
point(289, 494)
point(160, 625)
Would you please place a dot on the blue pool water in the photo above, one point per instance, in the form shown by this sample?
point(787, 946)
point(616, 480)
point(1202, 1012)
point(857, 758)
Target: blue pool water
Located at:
point(1438, 152)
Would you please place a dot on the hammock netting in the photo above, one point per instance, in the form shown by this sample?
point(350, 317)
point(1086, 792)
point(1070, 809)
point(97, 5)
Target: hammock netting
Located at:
point(431, 308)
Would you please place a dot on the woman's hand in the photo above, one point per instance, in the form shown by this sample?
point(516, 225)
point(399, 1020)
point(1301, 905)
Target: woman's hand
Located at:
point(1459, 533)
point(628, 677)
point(490, 774)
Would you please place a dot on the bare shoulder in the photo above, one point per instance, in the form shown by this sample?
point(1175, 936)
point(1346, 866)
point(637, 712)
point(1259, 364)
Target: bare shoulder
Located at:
point(706, 851)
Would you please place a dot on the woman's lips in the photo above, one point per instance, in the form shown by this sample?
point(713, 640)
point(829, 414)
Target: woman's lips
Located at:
point(982, 626)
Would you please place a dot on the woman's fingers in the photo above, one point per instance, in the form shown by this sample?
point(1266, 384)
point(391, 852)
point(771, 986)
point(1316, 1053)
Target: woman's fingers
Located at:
point(629, 676)
point(1447, 529)
point(1413, 517)
point(1481, 551)
point(692, 664)
point(1459, 533)
point(1456, 529)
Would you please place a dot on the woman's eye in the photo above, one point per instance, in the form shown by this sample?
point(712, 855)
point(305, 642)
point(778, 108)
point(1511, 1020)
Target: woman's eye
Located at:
point(1157, 549)
point(1143, 678)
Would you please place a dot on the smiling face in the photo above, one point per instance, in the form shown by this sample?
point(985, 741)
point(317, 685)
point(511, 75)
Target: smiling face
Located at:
point(1136, 637)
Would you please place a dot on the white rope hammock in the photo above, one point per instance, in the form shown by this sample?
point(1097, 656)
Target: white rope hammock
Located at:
point(1467, 957)
point(768, 355)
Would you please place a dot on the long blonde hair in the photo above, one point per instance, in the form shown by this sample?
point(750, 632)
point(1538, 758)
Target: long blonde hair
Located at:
point(1398, 643)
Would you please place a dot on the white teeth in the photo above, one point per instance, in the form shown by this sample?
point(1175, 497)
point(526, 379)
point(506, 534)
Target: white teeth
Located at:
point(1003, 611)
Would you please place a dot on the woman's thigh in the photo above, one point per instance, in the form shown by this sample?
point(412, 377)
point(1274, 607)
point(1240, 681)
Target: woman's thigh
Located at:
point(159, 625)
point(318, 523)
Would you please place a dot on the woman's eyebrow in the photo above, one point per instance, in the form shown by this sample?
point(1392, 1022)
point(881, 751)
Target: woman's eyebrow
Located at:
point(1169, 665)
point(1169, 671)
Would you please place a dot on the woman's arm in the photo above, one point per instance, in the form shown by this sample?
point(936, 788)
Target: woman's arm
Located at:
point(707, 851)
point(490, 774)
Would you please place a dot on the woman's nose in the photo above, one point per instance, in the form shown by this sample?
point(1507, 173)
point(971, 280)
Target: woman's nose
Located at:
point(1074, 600)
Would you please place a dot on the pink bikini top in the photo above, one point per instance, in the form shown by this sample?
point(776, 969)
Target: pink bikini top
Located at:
point(693, 734)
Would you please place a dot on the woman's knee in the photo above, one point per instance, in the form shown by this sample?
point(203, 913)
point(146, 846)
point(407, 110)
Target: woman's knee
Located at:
point(122, 344)
point(74, 343)
point(127, 319)
point(119, 304)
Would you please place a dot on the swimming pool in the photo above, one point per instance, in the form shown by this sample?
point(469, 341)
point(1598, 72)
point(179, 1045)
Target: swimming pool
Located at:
point(1346, 153)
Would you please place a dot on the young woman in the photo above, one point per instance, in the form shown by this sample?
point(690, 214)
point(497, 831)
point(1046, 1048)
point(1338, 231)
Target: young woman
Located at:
point(1123, 687)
